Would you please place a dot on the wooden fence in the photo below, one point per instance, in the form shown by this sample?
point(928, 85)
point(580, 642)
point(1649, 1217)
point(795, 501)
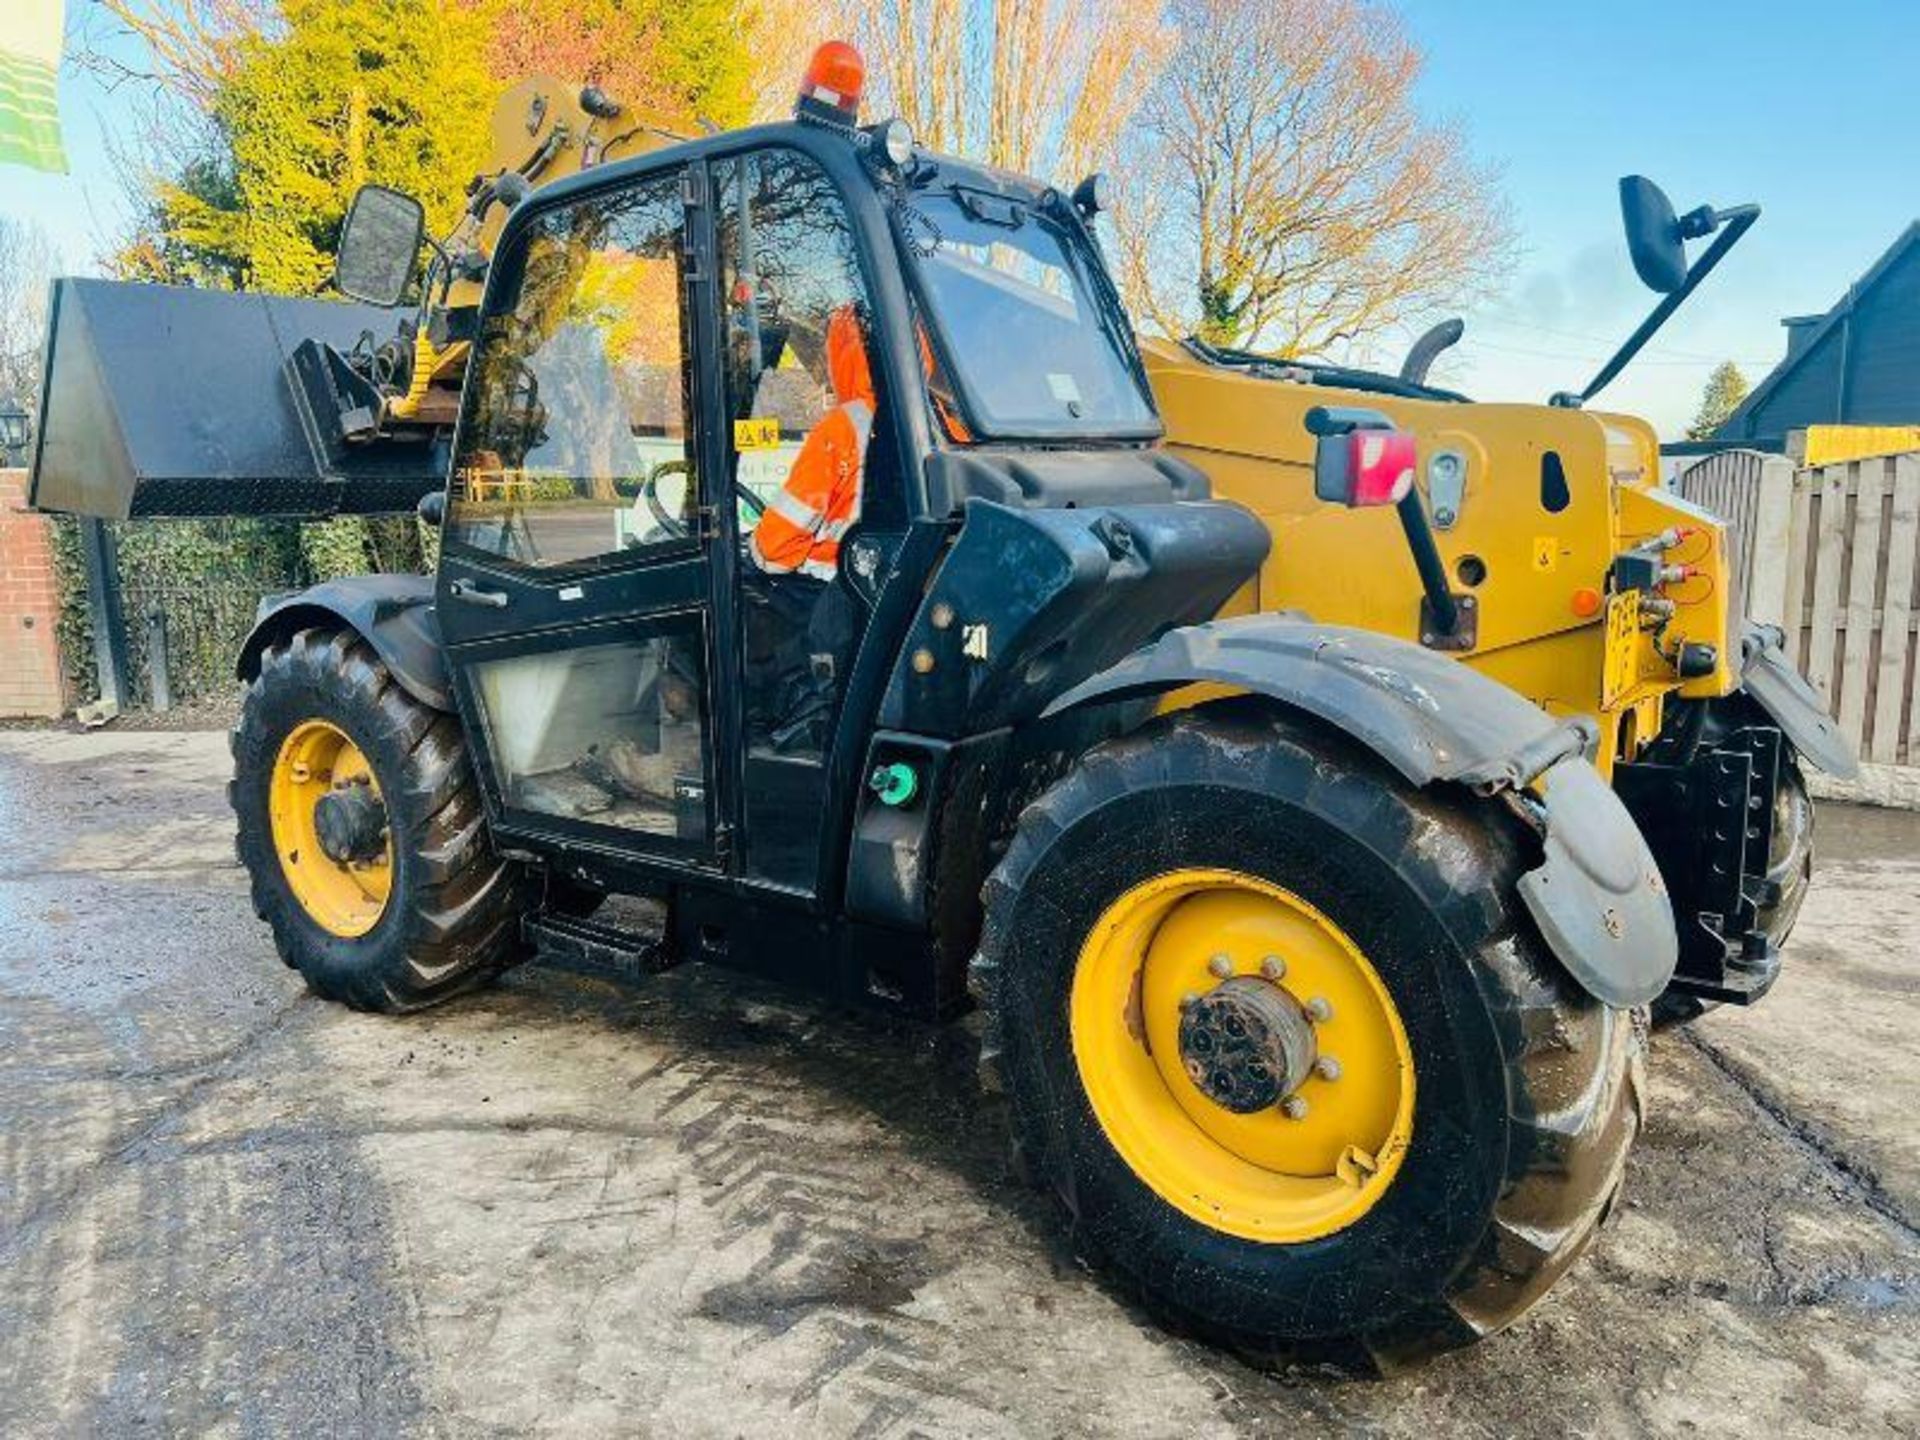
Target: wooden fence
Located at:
point(1731, 485)
point(1832, 555)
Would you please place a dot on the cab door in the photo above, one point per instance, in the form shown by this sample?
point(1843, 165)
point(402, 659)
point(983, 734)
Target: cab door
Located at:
point(575, 590)
point(802, 334)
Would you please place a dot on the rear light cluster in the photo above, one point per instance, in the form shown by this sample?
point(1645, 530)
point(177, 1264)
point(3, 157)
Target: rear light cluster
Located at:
point(1361, 458)
point(1382, 464)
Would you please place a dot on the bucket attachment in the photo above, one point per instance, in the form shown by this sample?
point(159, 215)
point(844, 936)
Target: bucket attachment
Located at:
point(163, 401)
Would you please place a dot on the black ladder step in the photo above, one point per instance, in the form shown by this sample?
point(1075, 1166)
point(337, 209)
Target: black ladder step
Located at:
point(1741, 981)
point(575, 943)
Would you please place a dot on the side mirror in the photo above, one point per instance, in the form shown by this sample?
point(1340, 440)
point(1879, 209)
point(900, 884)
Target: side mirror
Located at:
point(1654, 236)
point(378, 245)
point(1361, 460)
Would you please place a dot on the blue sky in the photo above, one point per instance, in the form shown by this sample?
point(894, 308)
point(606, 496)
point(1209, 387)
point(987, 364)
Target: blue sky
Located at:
point(1811, 109)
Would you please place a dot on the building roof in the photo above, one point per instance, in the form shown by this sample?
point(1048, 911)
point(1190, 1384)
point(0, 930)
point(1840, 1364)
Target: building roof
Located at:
point(1859, 364)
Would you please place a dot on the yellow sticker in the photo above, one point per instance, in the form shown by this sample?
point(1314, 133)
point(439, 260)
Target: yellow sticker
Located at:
point(1622, 664)
point(757, 434)
point(1546, 552)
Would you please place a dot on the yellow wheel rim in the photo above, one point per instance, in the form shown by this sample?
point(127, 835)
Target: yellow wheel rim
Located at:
point(1281, 1175)
point(343, 897)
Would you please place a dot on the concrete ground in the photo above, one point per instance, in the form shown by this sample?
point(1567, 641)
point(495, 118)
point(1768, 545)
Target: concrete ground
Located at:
point(704, 1208)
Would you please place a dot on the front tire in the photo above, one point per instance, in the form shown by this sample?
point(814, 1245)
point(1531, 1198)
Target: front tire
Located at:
point(424, 908)
point(1295, 842)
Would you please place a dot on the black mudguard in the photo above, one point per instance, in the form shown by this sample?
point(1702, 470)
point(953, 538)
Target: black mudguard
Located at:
point(1597, 895)
point(392, 613)
point(1791, 703)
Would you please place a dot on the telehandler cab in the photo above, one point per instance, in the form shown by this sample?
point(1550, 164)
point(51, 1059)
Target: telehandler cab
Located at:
point(1313, 962)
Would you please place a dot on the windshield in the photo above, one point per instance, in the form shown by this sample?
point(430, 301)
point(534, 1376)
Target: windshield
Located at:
point(1022, 327)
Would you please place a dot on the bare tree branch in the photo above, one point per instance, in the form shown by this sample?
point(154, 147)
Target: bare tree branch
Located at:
point(26, 270)
point(1040, 86)
point(1284, 192)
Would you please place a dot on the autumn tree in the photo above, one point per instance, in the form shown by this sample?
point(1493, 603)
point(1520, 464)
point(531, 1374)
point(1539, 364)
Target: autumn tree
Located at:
point(1726, 387)
point(699, 58)
point(1038, 86)
point(1285, 193)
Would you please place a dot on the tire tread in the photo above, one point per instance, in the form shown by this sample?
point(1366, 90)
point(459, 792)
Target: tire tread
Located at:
point(453, 920)
point(1574, 1106)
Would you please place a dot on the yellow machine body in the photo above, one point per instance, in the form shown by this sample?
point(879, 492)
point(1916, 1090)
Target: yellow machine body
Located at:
point(1532, 541)
point(542, 131)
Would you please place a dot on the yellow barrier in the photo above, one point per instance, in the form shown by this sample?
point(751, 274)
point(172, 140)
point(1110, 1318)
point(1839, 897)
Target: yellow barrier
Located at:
point(1832, 444)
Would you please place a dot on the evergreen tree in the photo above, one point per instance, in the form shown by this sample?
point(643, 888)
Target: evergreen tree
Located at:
point(1726, 388)
point(290, 114)
point(346, 91)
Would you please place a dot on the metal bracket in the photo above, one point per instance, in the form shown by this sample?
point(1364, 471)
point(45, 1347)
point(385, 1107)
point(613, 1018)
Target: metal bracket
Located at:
point(1465, 633)
point(576, 944)
point(1446, 487)
point(101, 551)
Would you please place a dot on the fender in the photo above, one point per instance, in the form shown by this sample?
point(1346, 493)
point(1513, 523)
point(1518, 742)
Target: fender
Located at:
point(392, 613)
point(1791, 703)
point(1597, 895)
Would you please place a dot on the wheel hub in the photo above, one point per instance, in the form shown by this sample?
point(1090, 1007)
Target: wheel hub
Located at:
point(1242, 1055)
point(330, 828)
point(350, 823)
point(1247, 1044)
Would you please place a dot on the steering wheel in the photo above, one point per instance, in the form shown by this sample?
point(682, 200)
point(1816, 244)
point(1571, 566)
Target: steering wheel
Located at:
point(518, 402)
point(756, 507)
point(650, 492)
point(673, 525)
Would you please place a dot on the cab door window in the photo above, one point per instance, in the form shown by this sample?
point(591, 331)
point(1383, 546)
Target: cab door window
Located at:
point(575, 447)
point(808, 433)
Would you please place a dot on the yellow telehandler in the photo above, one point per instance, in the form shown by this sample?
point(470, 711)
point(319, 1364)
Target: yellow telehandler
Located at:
point(1310, 776)
point(1544, 550)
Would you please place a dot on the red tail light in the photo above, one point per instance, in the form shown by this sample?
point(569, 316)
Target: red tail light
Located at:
point(1381, 464)
point(832, 85)
point(1360, 458)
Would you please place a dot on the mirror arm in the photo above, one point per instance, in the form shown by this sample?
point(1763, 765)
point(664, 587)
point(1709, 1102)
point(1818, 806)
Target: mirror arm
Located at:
point(1426, 559)
point(1736, 222)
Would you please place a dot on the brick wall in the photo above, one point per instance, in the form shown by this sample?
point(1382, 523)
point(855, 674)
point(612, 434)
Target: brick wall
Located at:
point(30, 676)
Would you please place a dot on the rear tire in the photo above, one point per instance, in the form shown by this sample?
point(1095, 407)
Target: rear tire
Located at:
point(1790, 857)
point(451, 916)
point(1526, 1089)
point(1789, 869)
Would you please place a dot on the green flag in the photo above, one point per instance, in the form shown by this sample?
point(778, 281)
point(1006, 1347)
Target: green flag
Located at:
point(29, 72)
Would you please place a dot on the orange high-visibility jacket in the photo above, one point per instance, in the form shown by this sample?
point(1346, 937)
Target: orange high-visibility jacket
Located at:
point(801, 529)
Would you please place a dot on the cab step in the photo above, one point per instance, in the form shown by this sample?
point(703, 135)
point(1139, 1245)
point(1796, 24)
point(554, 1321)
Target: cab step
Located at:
point(575, 944)
point(1743, 979)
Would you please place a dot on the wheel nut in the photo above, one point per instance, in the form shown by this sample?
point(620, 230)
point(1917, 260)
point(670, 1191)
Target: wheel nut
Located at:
point(1274, 968)
point(1318, 1010)
point(1294, 1108)
point(1220, 967)
point(1327, 1068)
